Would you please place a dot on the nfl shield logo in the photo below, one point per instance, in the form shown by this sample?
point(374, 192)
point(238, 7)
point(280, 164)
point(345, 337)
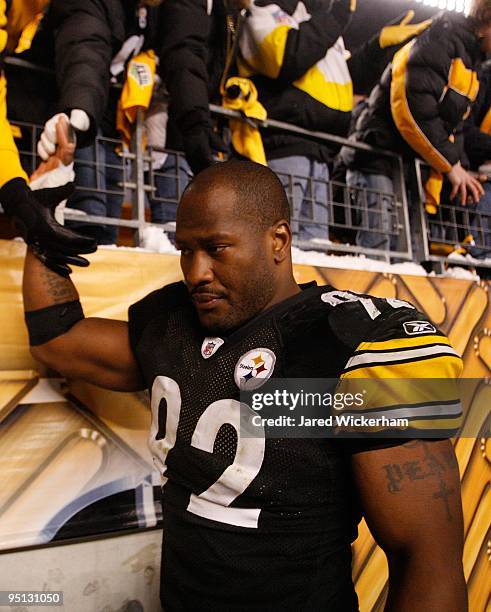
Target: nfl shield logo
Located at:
point(208, 350)
point(210, 346)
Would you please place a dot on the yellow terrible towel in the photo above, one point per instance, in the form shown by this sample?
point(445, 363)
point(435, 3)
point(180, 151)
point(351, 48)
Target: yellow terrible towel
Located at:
point(137, 91)
point(241, 95)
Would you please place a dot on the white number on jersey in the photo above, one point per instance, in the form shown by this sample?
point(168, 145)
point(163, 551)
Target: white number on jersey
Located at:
point(334, 298)
point(214, 503)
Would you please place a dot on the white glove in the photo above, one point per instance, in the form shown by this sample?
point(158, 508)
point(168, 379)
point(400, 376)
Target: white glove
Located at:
point(55, 178)
point(47, 141)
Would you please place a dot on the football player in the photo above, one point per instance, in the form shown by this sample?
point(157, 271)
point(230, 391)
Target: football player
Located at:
point(257, 522)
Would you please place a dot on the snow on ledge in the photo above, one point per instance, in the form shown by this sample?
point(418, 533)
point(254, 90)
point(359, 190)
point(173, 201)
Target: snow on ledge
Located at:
point(155, 240)
point(461, 273)
point(355, 262)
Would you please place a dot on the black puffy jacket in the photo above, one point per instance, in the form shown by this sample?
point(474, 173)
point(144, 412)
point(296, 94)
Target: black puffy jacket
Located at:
point(87, 36)
point(422, 98)
point(193, 50)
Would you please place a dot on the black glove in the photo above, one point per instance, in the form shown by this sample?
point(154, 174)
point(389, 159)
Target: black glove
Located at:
point(199, 144)
point(32, 213)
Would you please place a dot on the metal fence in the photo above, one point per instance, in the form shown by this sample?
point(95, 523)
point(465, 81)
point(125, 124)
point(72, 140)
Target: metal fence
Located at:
point(328, 215)
point(324, 212)
point(453, 230)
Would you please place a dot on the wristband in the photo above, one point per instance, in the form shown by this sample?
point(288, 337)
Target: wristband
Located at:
point(48, 323)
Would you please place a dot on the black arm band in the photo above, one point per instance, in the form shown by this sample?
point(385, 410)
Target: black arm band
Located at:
point(47, 323)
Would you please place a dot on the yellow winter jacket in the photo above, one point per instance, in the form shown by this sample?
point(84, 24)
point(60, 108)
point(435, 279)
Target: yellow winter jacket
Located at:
point(15, 15)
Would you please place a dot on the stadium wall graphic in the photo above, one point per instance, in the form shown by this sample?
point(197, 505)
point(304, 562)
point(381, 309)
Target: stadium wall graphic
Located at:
point(74, 459)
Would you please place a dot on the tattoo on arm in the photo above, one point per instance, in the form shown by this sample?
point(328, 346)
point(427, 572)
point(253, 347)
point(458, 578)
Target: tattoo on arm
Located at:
point(444, 493)
point(429, 466)
point(59, 289)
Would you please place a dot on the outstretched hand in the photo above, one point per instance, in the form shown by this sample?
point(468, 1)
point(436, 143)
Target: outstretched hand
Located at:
point(200, 144)
point(64, 153)
point(53, 178)
point(49, 139)
point(464, 185)
point(401, 30)
point(67, 245)
point(32, 213)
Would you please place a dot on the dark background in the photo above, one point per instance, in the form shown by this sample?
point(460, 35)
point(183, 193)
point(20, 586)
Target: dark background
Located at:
point(372, 15)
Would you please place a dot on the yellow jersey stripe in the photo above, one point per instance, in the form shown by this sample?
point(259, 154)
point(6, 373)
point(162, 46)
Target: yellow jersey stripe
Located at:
point(402, 343)
point(446, 424)
point(438, 409)
point(370, 358)
point(442, 366)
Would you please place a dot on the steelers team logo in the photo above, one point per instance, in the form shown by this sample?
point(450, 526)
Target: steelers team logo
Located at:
point(254, 368)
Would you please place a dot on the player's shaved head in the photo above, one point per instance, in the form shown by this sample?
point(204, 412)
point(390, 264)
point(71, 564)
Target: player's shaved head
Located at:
point(259, 195)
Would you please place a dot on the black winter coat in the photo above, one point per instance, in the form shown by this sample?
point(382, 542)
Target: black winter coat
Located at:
point(193, 59)
point(87, 35)
point(422, 98)
point(193, 49)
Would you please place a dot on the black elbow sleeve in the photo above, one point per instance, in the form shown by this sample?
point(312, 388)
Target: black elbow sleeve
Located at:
point(48, 323)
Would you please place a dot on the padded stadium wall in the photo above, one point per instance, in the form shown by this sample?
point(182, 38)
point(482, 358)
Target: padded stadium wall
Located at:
point(461, 308)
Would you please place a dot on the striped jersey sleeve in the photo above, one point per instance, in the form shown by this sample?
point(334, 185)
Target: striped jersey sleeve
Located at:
point(423, 356)
point(406, 371)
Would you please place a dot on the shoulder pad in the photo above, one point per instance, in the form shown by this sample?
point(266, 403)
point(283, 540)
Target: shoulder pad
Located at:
point(356, 318)
point(168, 298)
point(160, 302)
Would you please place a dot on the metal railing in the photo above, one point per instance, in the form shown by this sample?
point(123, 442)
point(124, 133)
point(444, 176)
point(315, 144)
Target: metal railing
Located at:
point(347, 206)
point(328, 214)
point(461, 230)
point(338, 208)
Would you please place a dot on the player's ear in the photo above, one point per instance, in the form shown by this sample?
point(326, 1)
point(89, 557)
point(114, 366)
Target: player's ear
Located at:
point(282, 240)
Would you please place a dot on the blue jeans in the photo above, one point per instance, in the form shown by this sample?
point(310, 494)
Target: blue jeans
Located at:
point(374, 209)
point(481, 225)
point(98, 189)
point(305, 182)
point(169, 182)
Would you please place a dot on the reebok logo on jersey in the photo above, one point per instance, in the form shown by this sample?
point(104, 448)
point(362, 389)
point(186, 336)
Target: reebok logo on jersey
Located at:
point(254, 368)
point(413, 328)
point(210, 346)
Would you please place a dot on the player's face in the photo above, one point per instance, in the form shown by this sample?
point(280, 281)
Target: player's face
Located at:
point(224, 260)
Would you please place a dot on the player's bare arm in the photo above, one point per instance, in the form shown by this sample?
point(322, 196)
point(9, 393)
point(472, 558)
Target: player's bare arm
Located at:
point(95, 350)
point(411, 500)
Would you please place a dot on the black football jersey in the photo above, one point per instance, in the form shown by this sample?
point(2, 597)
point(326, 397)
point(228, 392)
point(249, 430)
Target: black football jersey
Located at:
point(258, 523)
